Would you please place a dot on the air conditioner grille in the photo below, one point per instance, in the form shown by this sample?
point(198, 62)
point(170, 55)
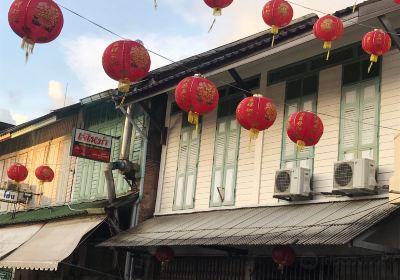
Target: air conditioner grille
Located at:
point(343, 174)
point(282, 181)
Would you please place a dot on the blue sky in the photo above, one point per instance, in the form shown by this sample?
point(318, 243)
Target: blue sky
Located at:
point(177, 30)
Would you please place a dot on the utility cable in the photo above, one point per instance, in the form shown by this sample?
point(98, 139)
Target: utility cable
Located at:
point(224, 83)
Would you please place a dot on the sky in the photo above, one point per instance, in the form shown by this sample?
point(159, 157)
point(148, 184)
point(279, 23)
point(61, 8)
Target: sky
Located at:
point(69, 68)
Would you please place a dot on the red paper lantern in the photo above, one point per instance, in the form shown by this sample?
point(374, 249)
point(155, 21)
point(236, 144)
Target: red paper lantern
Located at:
point(256, 113)
point(397, 1)
point(17, 172)
point(44, 173)
point(164, 254)
point(218, 5)
point(127, 62)
point(376, 43)
point(197, 96)
point(277, 14)
point(304, 129)
point(328, 28)
point(283, 256)
point(35, 21)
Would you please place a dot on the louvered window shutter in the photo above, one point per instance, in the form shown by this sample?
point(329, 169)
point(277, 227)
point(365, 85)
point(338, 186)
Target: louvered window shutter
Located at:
point(191, 170)
point(231, 156)
point(187, 168)
point(289, 147)
point(368, 131)
point(349, 117)
point(181, 169)
point(219, 158)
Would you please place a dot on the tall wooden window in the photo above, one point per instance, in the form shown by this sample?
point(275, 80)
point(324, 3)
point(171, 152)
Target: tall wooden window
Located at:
point(186, 174)
point(226, 152)
point(301, 95)
point(359, 125)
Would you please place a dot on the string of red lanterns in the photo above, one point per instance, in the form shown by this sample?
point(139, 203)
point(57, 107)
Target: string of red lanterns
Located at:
point(18, 173)
point(35, 21)
point(283, 255)
point(127, 62)
point(164, 254)
point(328, 28)
point(277, 14)
point(256, 113)
point(304, 129)
point(44, 174)
point(376, 43)
point(218, 5)
point(197, 96)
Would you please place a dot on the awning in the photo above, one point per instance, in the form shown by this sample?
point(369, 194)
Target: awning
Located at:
point(54, 242)
point(333, 223)
point(13, 237)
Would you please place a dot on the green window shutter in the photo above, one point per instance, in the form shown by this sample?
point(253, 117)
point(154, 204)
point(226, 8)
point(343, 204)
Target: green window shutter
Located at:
point(368, 135)
point(231, 156)
point(181, 170)
point(359, 139)
point(349, 115)
point(289, 148)
point(219, 154)
point(191, 171)
point(226, 152)
point(186, 175)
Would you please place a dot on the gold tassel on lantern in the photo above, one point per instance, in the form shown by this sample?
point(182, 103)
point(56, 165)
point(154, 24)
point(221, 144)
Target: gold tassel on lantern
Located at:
point(328, 46)
point(27, 45)
point(217, 12)
point(155, 4)
point(253, 134)
point(124, 85)
point(373, 59)
point(274, 31)
point(300, 145)
point(193, 118)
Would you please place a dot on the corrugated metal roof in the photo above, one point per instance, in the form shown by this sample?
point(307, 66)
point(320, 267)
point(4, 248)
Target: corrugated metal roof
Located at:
point(63, 211)
point(333, 223)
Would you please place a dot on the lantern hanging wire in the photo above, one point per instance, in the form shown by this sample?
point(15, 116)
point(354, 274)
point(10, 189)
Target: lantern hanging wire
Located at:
point(212, 24)
point(187, 68)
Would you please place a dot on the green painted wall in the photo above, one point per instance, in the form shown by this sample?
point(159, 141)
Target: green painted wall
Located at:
point(90, 181)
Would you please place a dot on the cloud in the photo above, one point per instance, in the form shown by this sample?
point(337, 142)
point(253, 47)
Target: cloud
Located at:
point(5, 116)
point(19, 118)
point(84, 55)
point(57, 95)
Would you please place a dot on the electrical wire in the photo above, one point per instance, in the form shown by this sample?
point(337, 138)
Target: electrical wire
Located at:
point(224, 83)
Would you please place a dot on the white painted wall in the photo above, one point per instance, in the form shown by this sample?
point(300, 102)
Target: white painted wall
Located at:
point(258, 162)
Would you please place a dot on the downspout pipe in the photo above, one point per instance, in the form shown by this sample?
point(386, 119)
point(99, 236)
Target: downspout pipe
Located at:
point(127, 135)
point(136, 207)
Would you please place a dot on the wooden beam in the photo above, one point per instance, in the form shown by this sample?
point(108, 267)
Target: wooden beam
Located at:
point(389, 28)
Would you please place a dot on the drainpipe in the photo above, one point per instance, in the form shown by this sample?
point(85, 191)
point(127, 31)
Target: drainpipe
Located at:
point(136, 207)
point(124, 155)
point(127, 135)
